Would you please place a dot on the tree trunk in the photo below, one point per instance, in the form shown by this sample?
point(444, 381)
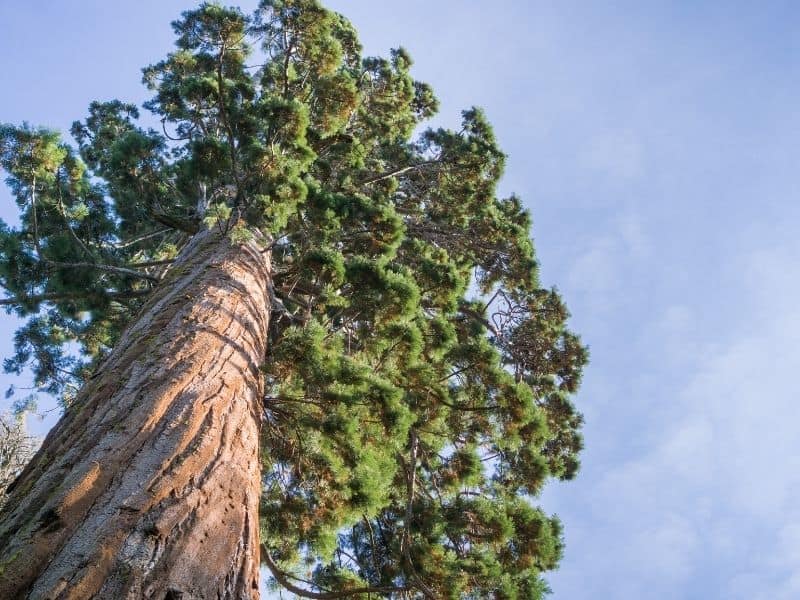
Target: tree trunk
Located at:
point(149, 485)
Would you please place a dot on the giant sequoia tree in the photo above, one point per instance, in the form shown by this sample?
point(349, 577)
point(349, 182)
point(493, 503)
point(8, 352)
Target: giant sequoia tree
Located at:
point(286, 330)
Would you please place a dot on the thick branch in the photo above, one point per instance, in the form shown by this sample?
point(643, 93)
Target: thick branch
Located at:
point(279, 307)
point(190, 226)
point(101, 267)
point(223, 114)
point(476, 316)
point(284, 579)
point(152, 263)
point(56, 296)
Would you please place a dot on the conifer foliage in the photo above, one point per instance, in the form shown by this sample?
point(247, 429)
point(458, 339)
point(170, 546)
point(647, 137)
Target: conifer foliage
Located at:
point(417, 378)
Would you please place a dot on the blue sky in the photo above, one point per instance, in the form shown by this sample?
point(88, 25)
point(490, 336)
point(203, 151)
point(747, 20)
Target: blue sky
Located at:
point(657, 146)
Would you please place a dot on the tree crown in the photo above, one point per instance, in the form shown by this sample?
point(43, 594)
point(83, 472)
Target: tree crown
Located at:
point(418, 376)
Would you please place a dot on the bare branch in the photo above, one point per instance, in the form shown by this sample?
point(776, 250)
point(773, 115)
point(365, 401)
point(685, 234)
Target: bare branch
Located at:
point(142, 238)
point(400, 171)
point(55, 296)
point(102, 267)
point(285, 578)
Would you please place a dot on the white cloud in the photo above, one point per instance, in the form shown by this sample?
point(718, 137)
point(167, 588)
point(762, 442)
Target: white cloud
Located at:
point(606, 260)
point(595, 270)
point(714, 495)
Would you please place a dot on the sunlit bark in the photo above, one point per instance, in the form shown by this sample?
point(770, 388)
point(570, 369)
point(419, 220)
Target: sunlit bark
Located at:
point(148, 487)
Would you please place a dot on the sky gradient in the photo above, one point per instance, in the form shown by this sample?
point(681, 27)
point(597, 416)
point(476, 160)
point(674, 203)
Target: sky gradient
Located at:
point(656, 144)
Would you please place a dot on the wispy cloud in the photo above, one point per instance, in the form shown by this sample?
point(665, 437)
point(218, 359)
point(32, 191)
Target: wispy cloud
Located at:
point(607, 258)
point(614, 154)
point(712, 498)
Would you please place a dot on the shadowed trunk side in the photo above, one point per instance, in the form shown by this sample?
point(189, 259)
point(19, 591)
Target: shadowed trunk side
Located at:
point(149, 485)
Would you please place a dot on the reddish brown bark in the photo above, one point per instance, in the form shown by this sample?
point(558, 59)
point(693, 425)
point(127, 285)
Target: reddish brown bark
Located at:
point(149, 486)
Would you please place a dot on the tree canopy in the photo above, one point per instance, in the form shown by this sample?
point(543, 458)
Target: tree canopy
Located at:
point(418, 377)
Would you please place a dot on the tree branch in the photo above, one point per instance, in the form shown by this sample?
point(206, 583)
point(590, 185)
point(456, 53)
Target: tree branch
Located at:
point(152, 263)
point(284, 579)
point(142, 238)
point(469, 408)
point(76, 265)
point(223, 114)
point(476, 316)
point(35, 218)
point(405, 544)
point(190, 226)
point(101, 267)
point(63, 212)
point(400, 171)
point(55, 296)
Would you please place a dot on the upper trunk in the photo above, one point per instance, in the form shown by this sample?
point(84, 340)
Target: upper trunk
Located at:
point(149, 485)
